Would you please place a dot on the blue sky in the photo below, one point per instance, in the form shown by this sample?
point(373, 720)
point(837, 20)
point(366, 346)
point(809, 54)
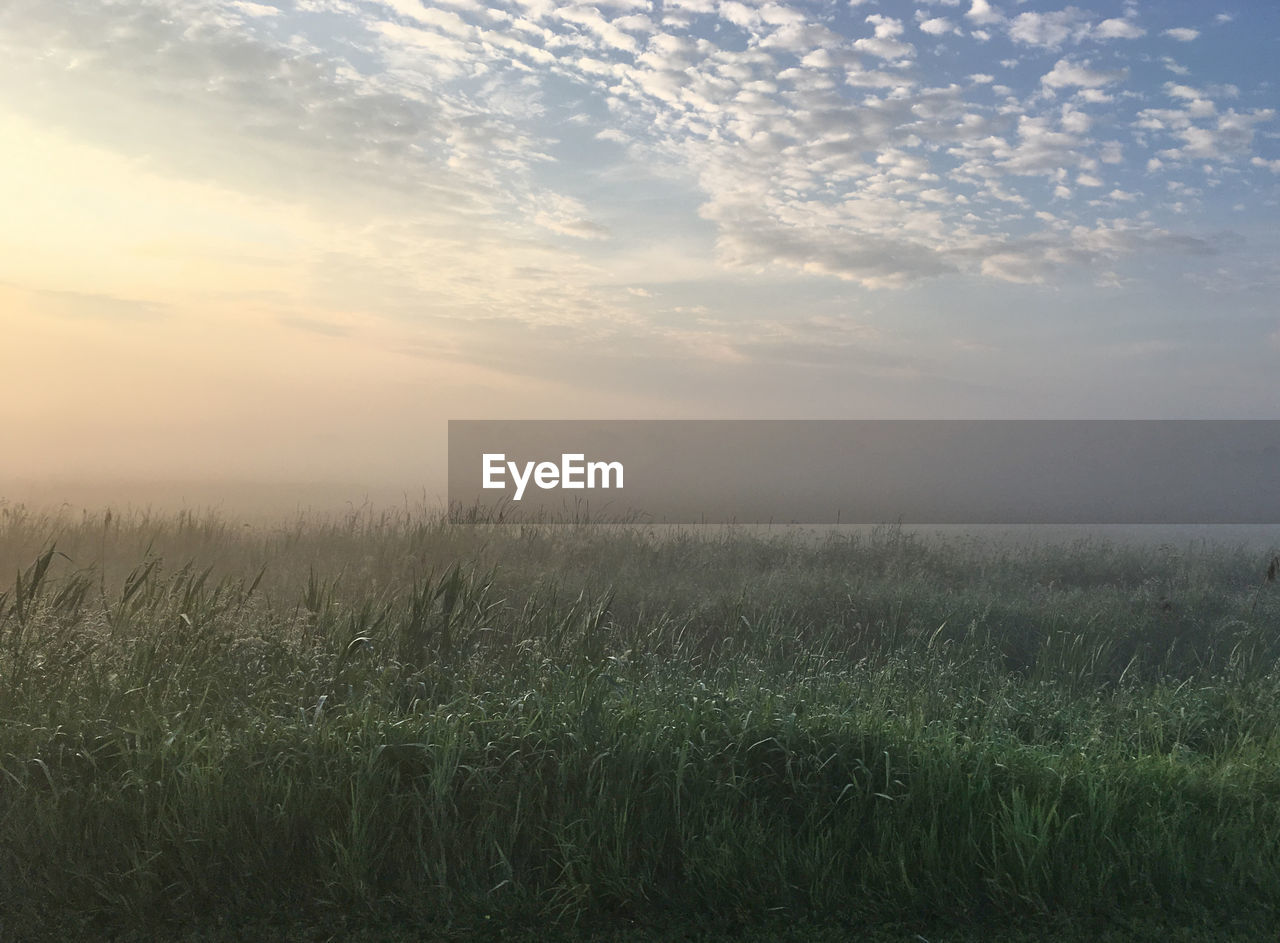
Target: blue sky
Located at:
point(633, 208)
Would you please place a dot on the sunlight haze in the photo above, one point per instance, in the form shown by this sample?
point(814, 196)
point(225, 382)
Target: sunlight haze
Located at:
point(287, 241)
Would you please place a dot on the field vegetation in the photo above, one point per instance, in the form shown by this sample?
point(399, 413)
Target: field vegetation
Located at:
point(404, 727)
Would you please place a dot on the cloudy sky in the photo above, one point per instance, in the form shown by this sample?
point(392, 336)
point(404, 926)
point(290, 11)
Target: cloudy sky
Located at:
point(289, 239)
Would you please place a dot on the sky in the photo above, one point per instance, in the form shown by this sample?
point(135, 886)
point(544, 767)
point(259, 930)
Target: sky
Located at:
point(288, 241)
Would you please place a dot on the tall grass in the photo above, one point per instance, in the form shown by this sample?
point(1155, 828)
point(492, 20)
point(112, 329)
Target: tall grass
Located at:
point(404, 719)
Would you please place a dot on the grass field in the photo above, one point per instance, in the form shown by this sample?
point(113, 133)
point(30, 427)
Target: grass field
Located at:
point(397, 727)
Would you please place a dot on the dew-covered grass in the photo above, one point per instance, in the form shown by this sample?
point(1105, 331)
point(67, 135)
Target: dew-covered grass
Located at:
point(450, 729)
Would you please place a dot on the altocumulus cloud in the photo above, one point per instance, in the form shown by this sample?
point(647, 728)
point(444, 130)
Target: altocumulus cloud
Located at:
point(881, 145)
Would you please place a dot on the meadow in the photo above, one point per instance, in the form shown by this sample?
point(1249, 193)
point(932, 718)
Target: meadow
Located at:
point(397, 726)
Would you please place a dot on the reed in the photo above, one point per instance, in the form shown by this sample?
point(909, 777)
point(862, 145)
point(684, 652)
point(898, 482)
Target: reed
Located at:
point(428, 726)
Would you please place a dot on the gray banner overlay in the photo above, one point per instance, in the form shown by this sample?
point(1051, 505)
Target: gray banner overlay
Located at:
point(870, 471)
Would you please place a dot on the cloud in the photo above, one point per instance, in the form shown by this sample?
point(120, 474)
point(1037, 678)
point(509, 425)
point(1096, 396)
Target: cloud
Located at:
point(885, 44)
point(315, 326)
point(609, 32)
point(983, 13)
point(801, 155)
point(939, 26)
point(1038, 149)
point(1182, 34)
point(750, 238)
point(93, 305)
point(1075, 121)
point(1039, 258)
point(1228, 135)
point(1050, 30)
point(1118, 29)
point(1066, 74)
point(1053, 29)
point(244, 112)
point(255, 9)
point(577, 227)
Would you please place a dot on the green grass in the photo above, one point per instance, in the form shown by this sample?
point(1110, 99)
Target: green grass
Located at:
point(399, 727)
